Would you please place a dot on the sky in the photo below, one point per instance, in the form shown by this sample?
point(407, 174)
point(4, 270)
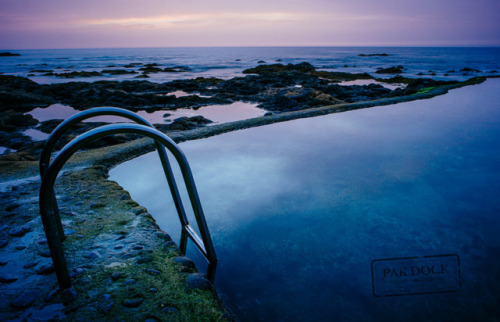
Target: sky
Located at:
point(40, 24)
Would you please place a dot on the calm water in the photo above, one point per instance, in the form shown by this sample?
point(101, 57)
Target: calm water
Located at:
point(298, 210)
point(216, 113)
point(230, 62)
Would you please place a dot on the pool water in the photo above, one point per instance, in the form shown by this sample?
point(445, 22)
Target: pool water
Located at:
point(299, 210)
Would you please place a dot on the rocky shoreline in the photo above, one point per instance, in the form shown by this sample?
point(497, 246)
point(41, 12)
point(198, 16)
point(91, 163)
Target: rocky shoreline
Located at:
point(123, 266)
point(276, 88)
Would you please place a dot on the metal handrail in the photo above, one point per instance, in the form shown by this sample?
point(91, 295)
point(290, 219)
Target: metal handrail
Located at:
point(51, 141)
point(100, 111)
point(51, 221)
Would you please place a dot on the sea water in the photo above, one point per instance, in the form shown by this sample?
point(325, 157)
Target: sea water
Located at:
point(442, 63)
point(298, 211)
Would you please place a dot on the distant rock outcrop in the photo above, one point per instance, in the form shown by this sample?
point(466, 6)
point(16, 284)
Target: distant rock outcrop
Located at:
point(7, 54)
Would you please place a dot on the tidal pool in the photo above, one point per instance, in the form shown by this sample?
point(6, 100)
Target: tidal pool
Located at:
point(216, 113)
point(298, 211)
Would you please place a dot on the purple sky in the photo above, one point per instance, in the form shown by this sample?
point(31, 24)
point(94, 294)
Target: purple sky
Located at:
point(26, 24)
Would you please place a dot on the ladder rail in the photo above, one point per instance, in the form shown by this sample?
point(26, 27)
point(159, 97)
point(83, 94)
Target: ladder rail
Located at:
point(51, 221)
point(51, 141)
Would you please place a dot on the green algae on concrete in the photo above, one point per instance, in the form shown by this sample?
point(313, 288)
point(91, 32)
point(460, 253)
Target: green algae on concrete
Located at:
point(122, 264)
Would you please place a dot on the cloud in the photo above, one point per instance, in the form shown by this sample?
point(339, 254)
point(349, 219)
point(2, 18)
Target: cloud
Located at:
point(196, 19)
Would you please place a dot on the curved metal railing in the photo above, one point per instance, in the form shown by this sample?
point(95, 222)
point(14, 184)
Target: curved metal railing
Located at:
point(48, 205)
point(50, 144)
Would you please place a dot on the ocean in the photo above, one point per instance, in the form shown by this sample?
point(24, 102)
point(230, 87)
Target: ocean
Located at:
point(439, 63)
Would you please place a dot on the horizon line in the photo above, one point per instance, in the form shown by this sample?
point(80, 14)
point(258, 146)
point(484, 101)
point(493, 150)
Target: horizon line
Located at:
point(264, 46)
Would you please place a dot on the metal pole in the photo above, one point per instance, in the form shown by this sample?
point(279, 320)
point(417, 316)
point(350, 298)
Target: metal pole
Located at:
point(50, 219)
point(99, 111)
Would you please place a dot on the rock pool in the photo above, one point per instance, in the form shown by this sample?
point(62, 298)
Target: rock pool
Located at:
point(299, 210)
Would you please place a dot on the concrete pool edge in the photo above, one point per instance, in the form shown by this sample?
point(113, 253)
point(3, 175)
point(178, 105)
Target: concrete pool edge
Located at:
point(113, 155)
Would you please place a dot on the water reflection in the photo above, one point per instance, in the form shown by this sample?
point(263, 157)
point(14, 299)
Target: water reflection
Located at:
point(216, 113)
point(299, 210)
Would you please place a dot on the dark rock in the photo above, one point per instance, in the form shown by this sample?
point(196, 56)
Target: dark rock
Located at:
point(129, 282)
point(44, 252)
point(19, 231)
point(7, 278)
point(145, 259)
point(151, 271)
point(30, 264)
point(138, 247)
point(49, 125)
point(164, 235)
point(187, 123)
point(117, 275)
point(92, 255)
point(184, 262)
point(11, 120)
point(170, 244)
point(373, 55)
point(106, 304)
point(468, 69)
point(46, 269)
point(169, 310)
point(128, 255)
point(132, 65)
point(133, 302)
point(118, 71)
point(197, 281)
point(69, 232)
point(52, 295)
point(199, 120)
point(85, 280)
point(41, 71)
point(3, 262)
point(177, 69)
point(20, 247)
point(75, 74)
point(96, 205)
point(140, 210)
point(78, 271)
point(274, 68)
point(21, 94)
point(3, 242)
point(150, 68)
point(12, 206)
point(9, 54)
point(25, 300)
point(390, 70)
